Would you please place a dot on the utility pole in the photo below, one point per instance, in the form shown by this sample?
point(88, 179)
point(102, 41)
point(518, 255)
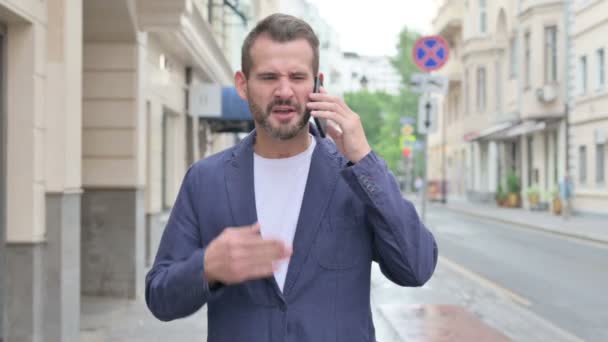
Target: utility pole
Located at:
point(444, 181)
point(427, 125)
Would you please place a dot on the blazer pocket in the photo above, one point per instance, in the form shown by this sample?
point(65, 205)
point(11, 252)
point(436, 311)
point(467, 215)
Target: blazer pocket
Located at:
point(342, 243)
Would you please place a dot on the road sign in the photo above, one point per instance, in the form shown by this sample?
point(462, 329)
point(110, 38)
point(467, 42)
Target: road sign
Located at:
point(407, 120)
point(425, 83)
point(427, 115)
point(430, 53)
point(407, 129)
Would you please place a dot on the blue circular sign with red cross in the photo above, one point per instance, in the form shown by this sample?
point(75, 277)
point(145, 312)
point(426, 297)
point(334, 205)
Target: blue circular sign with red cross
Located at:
point(430, 53)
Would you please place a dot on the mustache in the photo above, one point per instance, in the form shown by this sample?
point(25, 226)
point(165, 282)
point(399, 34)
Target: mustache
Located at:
point(279, 102)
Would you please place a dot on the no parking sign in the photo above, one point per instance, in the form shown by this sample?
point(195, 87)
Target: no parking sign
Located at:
point(430, 53)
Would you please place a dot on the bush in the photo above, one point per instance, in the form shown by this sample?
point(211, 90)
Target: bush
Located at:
point(513, 183)
point(534, 190)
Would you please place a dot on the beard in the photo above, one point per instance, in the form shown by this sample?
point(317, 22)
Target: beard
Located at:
point(280, 131)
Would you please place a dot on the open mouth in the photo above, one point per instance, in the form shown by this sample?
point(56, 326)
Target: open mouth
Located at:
point(283, 112)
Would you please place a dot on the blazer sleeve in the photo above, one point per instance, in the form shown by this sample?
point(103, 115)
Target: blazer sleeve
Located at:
point(405, 249)
point(175, 285)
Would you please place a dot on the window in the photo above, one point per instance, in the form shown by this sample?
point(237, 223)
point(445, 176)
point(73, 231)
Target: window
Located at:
point(498, 84)
point(601, 76)
point(513, 58)
point(467, 94)
point(599, 163)
point(582, 75)
point(482, 16)
point(481, 89)
point(530, 151)
point(456, 107)
point(582, 164)
point(550, 54)
point(527, 60)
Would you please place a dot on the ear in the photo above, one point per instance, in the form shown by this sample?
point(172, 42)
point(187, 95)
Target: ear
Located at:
point(240, 82)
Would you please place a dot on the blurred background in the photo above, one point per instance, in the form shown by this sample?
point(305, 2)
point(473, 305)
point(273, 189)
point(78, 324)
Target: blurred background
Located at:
point(105, 103)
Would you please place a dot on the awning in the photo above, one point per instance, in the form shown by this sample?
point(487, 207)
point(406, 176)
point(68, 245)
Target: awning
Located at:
point(233, 106)
point(490, 133)
point(221, 107)
point(526, 127)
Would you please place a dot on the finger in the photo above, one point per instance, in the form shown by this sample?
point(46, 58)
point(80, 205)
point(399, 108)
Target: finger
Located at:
point(334, 132)
point(264, 250)
point(260, 256)
point(326, 106)
point(322, 90)
point(256, 228)
point(325, 97)
point(326, 114)
point(273, 250)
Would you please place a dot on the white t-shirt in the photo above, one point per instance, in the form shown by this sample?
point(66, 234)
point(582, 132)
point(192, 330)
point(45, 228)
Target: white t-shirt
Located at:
point(279, 189)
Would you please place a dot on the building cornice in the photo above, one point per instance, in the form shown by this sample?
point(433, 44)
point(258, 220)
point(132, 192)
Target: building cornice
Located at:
point(179, 22)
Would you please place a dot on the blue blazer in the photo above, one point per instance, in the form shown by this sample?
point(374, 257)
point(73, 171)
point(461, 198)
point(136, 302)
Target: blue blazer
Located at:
point(351, 215)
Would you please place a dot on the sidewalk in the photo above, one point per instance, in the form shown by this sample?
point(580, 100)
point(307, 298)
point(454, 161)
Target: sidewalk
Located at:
point(592, 228)
point(119, 320)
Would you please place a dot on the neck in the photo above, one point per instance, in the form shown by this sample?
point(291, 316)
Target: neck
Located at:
point(269, 147)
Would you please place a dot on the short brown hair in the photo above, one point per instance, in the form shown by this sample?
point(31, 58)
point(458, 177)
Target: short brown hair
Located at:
point(281, 28)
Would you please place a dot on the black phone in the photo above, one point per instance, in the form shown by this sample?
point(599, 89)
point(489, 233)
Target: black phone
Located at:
point(320, 126)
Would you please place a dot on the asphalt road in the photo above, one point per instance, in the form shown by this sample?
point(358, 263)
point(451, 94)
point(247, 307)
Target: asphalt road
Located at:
point(563, 280)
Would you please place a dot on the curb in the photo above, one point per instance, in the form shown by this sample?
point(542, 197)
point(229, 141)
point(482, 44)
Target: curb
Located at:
point(530, 226)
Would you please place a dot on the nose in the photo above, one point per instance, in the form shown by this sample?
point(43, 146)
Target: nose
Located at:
point(284, 89)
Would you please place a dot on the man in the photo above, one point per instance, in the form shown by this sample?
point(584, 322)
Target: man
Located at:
point(277, 234)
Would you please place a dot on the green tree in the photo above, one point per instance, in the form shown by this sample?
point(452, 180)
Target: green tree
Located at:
point(381, 113)
point(369, 106)
point(408, 101)
point(403, 61)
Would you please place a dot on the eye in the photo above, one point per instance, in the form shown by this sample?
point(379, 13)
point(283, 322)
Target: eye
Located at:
point(266, 77)
point(298, 76)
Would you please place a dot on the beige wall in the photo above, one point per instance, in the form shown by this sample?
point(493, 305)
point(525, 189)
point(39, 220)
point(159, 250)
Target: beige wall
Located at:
point(25, 72)
point(43, 109)
point(63, 100)
point(534, 20)
point(589, 117)
point(165, 89)
point(110, 114)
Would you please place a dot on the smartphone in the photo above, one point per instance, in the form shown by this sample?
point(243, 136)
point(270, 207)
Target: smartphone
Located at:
point(318, 122)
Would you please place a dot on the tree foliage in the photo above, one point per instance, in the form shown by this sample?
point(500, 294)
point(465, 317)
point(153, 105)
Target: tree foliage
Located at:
point(381, 113)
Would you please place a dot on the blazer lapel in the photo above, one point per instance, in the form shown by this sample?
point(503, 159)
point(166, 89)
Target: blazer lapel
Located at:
point(320, 185)
point(239, 183)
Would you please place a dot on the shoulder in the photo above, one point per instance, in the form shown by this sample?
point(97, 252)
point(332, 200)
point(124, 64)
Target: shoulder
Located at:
point(209, 167)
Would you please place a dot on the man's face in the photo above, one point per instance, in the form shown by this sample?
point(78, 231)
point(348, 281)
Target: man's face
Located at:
point(278, 85)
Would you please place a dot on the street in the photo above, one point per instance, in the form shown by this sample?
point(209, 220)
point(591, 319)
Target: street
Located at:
point(494, 282)
point(528, 285)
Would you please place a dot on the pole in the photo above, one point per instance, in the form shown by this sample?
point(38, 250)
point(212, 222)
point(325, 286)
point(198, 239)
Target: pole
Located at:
point(443, 165)
point(427, 124)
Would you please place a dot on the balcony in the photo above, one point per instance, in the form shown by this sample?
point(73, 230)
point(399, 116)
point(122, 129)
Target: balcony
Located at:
point(182, 28)
point(452, 70)
point(450, 15)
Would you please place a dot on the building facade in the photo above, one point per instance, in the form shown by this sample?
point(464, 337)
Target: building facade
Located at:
point(503, 114)
point(589, 119)
point(96, 134)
